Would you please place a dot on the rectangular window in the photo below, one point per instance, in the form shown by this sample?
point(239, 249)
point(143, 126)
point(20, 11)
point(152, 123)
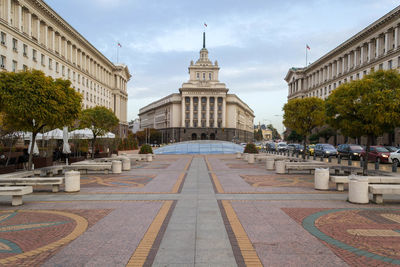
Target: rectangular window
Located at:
point(63, 70)
point(2, 62)
point(50, 64)
point(389, 64)
point(14, 66)
point(209, 76)
point(42, 59)
point(381, 66)
point(24, 67)
point(15, 44)
point(57, 67)
point(79, 78)
point(358, 76)
point(198, 75)
point(34, 55)
point(25, 47)
point(3, 38)
point(73, 75)
point(69, 73)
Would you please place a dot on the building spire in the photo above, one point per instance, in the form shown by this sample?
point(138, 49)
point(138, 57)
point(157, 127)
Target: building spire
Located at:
point(204, 39)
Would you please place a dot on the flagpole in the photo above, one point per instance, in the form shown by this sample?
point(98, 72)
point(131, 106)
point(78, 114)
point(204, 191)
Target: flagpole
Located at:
point(306, 56)
point(117, 53)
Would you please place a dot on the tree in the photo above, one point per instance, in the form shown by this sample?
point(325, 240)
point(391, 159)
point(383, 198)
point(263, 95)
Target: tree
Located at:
point(294, 137)
point(258, 135)
point(31, 101)
point(367, 107)
point(100, 120)
point(275, 134)
point(327, 133)
point(303, 115)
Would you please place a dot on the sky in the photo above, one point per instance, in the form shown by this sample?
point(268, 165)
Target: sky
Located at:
point(255, 41)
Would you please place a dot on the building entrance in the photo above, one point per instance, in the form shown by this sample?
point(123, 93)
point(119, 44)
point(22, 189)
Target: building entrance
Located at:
point(194, 136)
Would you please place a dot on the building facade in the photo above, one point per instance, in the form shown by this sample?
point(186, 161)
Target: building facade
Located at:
point(202, 109)
point(375, 47)
point(34, 36)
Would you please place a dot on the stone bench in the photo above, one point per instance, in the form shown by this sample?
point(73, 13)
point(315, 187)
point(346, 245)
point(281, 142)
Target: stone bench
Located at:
point(55, 182)
point(49, 171)
point(303, 167)
point(340, 181)
point(16, 192)
point(18, 174)
point(378, 190)
point(89, 167)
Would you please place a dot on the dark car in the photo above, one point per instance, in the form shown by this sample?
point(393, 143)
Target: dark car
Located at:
point(298, 148)
point(325, 150)
point(377, 154)
point(349, 151)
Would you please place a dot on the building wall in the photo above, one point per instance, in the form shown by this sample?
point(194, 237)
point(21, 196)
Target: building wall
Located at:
point(33, 36)
point(375, 47)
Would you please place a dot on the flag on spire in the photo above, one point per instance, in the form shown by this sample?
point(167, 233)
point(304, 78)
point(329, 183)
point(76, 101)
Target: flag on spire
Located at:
point(205, 24)
point(119, 45)
point(308, 47)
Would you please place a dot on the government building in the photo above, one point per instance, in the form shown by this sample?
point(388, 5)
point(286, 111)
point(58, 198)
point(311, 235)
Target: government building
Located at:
point(34, 36)
point(375, 47)
point(202, 110)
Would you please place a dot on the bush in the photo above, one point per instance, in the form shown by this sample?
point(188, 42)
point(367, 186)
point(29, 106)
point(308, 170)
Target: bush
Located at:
point(146, 149)
point(251, 148)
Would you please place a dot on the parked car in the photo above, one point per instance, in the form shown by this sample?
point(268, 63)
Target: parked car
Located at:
point(325, 150)
point(291, 147)
point(281, 147)
point(310, 149)
point(349, 151)
point(298, 148)
point(395, 157)
point(391, 148)
point(377, 154)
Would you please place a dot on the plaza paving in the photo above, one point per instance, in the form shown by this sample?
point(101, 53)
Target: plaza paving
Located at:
point(182, 210)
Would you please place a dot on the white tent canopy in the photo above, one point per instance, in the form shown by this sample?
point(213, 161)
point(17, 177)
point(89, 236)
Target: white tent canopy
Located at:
point(87, 134)
point(53, 134)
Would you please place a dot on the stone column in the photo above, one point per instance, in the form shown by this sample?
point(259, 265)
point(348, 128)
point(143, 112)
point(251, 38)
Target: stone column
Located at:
point(337, 67)
point(362, 55)
point(215, 112)
point(70, 53)
point(386, 42)
point(38, 30)
point(45, 35)
point(65, 49)
point(224, 112)
point(19, 17)
point(9, 11)
point(369, 51)
point(348, 61)
point(377, 47)
point(59, 44)
point(208, 112)
point(53, 41)
point(343, 58)
point(183, 103)
point(355, 58)
point(191, 111)
point(29, 30)
point(396, 36)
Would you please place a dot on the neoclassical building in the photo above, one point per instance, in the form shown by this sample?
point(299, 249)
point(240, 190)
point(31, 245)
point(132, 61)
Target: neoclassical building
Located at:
point(34, 36)
point(375, 47)
point(202, 109)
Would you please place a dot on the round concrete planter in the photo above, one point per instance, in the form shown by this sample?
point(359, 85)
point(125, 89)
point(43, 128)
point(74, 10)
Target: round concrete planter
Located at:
point(245, 156)
point(149, 157)
point(126, 164)
point(116, 166)
point(72, 181)
point(358, 189)
point(114, 155)
point(321, 179)
point(270, 164)
point(250, 159)
point(280, 167)
point(238, 155)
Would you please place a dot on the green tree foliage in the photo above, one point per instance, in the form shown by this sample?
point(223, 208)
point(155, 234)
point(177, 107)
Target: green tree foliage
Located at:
point(294, 137)
point(258, 135)
point(367, 107)
point(275, 134)
point(145, 149)
point(31, 101)
point(251, 148)
point(303, 115)
point(100, 120)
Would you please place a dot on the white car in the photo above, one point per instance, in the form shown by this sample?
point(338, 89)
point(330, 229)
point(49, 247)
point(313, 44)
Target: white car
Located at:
point(395, 157)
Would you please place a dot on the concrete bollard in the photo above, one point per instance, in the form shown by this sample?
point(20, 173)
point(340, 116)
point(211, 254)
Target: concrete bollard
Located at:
point(72, 181)
point(238, 155)
point(280, 167)
point(270, 164)
point(321, 179)
point(376, 165)
point(250, 159)
point(394, 167)
point(330, 159)
point(114, 155)
point(349, 162)
point(313, 156)
point(339, 160)
point(126, 164)
point(149, 157)
point(358, 189)
point(116, 166)
point(321, 159)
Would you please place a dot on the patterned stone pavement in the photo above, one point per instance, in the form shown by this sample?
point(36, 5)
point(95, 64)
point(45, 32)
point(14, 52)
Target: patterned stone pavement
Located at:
point(182, 210)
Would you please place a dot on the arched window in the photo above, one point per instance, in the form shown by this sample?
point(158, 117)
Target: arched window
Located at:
point(204, 76)
point(198, 76)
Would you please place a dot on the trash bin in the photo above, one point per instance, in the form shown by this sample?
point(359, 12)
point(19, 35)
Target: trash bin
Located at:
point(72, 181)
point(280, 167)
point(358, 189)
point(270, 164)
point(321, 179)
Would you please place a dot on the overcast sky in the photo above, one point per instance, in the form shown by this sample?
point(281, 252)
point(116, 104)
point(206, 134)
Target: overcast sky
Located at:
point(255, 41)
